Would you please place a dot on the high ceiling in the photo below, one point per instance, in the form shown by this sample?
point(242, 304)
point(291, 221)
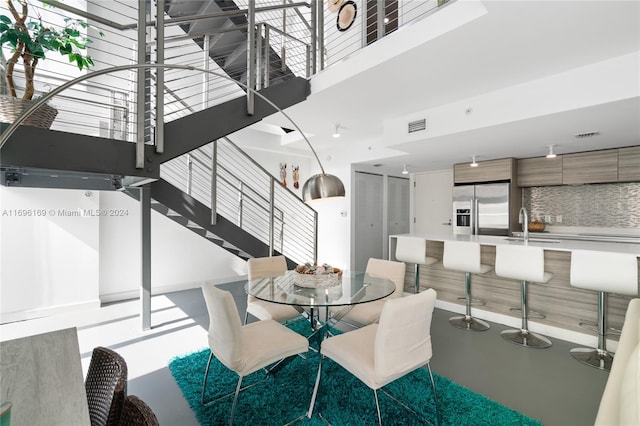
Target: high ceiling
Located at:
point(505, 84)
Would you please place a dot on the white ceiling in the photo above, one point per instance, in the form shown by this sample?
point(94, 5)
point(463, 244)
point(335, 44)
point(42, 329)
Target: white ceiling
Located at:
point(515, 42)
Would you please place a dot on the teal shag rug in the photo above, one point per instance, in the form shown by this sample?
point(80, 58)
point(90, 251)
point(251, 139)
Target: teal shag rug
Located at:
point(342, 399)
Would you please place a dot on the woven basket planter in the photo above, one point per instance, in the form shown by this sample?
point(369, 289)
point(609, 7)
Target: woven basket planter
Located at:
point(11, 108)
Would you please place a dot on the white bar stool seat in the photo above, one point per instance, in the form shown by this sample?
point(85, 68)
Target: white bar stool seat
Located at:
point(464, 256)
point(603, 272)
point(524, 263)
point(414, 250)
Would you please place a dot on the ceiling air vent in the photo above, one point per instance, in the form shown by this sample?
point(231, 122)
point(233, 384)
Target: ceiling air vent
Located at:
point(417, 126)
point(587, 135)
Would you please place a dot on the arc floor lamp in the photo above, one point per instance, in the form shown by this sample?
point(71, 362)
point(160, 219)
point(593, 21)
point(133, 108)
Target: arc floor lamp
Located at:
point(321, 185)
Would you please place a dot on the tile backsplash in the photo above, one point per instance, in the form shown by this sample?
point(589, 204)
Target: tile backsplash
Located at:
point(615, 205)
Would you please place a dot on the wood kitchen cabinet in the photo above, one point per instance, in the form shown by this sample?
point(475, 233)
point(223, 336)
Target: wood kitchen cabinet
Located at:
point(486, 171)
point(540, 171)
point(629, 164)
point(590, 167)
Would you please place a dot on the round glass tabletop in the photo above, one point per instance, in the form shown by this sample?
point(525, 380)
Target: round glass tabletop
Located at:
point(352, 288)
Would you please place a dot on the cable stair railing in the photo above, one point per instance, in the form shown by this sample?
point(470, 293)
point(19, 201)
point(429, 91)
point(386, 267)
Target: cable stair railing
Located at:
point(281, 221)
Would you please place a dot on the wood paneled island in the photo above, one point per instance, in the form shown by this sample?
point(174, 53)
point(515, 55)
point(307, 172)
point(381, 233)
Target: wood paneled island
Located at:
point(564, 307)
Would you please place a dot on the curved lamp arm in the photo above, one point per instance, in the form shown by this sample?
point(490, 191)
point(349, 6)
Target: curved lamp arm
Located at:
point(318, 186)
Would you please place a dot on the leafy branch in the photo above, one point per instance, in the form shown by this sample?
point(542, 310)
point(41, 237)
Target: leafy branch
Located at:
point(29, 41)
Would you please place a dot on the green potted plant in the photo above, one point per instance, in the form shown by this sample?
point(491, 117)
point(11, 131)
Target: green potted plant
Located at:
point(29, 41)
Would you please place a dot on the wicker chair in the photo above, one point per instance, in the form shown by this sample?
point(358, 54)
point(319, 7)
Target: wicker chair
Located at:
point(137, 413)
point(106, 387)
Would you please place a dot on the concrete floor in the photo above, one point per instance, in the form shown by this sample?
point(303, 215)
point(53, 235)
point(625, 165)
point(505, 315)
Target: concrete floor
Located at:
point(546, 384)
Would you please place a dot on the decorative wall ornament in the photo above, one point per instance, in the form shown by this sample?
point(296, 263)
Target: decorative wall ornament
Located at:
point(346, 15)
point(296, 176)
point(283, 174)
point(334, 5)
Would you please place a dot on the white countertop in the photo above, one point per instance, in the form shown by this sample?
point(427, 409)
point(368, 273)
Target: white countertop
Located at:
point(547, 244)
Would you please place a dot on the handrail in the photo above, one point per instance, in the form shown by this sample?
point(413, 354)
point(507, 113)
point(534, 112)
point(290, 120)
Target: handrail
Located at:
point(152, 23)
point(236, 187)
point(255, 163)
point(230, 13)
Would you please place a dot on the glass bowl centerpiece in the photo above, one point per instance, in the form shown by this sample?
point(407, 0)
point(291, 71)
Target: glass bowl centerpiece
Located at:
point(314, 275)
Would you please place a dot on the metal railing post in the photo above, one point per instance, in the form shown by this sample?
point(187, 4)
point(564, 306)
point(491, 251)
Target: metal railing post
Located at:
point(271, 210)
point(140, 86)
point(259, 57)
point(283, 48)
point(159, 130)
point(205, 75)
point(320, 30)
point(214, 184)
point(380, 19)
point(314, 35)
point(240, 203)
point(267, 63)
point(315, 237)
point(251, 54)
point(281, 232)
point(189, 174)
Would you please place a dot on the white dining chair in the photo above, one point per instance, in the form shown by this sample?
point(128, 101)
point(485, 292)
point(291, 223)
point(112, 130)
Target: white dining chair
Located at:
point(380, 353)
point(369, 313)
point(260, 267)
point(244, 349)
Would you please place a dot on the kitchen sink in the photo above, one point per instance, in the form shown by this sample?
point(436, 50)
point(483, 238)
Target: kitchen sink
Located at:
point(533, 240)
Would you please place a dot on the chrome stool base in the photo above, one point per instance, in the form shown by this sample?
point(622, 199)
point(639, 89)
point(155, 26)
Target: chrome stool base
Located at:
point(526, 338)
point(595, 358)
point(468, 323)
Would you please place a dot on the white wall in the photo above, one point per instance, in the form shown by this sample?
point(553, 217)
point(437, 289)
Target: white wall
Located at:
point(179, 258)
point(58, 253)
point(49, 251)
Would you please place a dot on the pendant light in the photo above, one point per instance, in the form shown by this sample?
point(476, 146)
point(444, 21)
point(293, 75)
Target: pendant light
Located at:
point(336, 131)
point(405, 171)
point(473, 162)
point(551, 154)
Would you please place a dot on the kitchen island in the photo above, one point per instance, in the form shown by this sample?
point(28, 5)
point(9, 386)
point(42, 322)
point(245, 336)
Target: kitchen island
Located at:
point(564, 307)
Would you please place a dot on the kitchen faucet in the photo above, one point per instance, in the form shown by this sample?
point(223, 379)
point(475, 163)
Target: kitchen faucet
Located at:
point(525, 223)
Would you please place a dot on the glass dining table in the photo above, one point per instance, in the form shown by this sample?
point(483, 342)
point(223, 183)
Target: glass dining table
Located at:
point(312, 294)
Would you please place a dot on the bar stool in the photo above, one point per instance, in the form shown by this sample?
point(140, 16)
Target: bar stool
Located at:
point(524, 263)
point(464, 256)
point(603, 272)
point(414, 250)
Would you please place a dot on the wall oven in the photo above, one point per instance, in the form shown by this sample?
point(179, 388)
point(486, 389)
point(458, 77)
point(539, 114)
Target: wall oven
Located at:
point(481, 209)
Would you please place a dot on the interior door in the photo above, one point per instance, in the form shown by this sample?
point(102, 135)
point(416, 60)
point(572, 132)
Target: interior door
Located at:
point(398, 206)
point(432, 205)
point(369, 241)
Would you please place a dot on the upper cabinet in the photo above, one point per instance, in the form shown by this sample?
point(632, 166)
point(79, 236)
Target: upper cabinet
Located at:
point(590, 167)
point(611, 165)
point(540, 171)
point(629, 164)
point(486, 171)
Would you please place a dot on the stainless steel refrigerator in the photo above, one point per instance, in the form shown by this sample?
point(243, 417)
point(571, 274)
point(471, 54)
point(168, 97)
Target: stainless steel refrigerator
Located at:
point(481, 209)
